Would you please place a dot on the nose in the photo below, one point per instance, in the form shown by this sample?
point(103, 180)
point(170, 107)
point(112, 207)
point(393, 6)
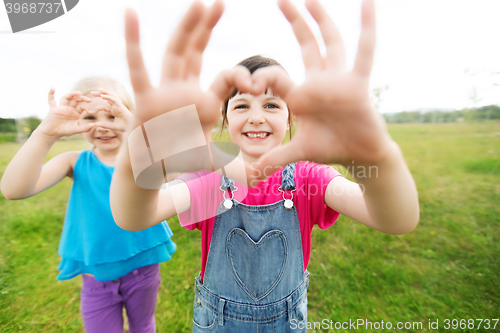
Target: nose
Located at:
point(256, 116)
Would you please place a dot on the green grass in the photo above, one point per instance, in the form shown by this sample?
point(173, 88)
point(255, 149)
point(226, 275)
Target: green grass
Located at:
point(449, 267)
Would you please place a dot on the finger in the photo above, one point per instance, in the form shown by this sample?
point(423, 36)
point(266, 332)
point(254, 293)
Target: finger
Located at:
point(138, 73)
point(239, 77)
point(107, 92)
point(83, 107)
point(85, 99)
point(174, 60)
point(80, 103)
point(52, 101)
point(366, 48)
point(112, 100)
point(102, 108)
point(79, 99)
point(311, 54)
point(201, 38)
point(273, 77)
point(83, 128)
point(280, 156)
point(107, 95)
point(110, 125)
point(66, 99)
point(335, 52)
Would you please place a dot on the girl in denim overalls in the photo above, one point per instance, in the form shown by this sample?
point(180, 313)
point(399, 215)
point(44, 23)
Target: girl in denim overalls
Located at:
point(256, 240)
point(256, 245)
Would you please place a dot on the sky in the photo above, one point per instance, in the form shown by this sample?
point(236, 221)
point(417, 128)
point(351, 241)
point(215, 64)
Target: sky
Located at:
point(430, 53)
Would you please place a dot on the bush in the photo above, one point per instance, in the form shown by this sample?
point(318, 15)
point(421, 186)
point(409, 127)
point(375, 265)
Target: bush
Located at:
point(8, 137)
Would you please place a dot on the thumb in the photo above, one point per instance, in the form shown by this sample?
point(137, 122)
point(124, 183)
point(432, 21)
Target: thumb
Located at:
point(52, 101)
point(280, 156)
point(226, 81)
point(84, 128)
point(110, 125)
point(273, 77)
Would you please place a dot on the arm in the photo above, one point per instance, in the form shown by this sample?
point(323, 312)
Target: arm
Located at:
point(26, 175)
point(338, 125)
point(136, 208)
point(384, 197)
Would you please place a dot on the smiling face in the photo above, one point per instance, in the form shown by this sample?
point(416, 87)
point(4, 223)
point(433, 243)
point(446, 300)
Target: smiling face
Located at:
point(257, 123)
point(107, 142)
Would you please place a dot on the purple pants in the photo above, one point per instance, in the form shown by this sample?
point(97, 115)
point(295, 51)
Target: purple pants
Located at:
point(102, 302)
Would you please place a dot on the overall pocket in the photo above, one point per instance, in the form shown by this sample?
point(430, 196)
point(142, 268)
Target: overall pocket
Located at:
point(300, 312)
point(204, 319)
point(255, 271)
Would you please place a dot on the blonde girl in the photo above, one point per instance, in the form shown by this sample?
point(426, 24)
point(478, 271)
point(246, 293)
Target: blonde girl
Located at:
point(119, 268)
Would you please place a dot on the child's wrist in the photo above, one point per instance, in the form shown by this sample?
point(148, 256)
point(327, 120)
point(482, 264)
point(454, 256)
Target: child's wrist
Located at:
point(390, 159)
point(40, 134)
point(388, 153)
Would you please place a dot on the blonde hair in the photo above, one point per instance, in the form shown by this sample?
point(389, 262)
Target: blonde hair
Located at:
point(93, 83)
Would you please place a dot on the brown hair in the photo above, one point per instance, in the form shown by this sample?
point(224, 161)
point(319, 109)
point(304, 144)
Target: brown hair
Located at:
point(252, 64)
point(93, 83)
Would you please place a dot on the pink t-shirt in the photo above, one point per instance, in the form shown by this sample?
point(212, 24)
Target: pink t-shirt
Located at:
point(311, 180)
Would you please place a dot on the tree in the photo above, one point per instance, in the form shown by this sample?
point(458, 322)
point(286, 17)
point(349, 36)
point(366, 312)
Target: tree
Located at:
point(377, 96)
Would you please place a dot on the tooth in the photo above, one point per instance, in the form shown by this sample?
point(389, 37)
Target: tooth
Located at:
point(257, 135)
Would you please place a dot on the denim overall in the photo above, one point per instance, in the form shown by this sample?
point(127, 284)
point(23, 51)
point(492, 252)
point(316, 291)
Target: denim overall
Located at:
point(254, 278)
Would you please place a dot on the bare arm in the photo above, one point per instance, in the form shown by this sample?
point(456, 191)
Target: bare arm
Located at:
point(136, 208)
point(26, 175)
point(338, 124)
point(386, 198)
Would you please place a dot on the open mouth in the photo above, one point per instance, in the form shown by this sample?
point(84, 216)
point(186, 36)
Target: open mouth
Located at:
point(105, 138)
point(257, 135)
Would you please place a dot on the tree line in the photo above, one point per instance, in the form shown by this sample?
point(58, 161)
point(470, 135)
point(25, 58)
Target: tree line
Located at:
point(17, 129)
point(12, 129)
point(484, 113)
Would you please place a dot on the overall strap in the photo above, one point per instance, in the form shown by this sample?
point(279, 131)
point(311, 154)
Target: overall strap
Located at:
point(287, 179)
point(227, 183)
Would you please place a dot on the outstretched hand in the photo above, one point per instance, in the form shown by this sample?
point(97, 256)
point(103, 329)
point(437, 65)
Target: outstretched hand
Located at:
point(335, 118)
point(179, 86)
point(62, 119)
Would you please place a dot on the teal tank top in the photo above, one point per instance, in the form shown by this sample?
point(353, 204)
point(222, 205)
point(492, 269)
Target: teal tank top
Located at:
point(91, 242)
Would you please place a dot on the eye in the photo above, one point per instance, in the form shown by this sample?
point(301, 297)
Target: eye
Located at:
point(112, 117)
point(89, 118)
point(272, 106)
point(241, 106)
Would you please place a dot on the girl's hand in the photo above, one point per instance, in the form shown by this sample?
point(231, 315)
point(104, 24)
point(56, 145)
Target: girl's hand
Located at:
point(335, 118)
point(123, 116)
point(179, 86)
point(62, 119)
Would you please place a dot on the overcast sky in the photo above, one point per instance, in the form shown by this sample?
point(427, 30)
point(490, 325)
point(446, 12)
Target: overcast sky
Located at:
point(424, 48)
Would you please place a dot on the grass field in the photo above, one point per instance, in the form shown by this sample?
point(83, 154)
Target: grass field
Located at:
point(448, 268)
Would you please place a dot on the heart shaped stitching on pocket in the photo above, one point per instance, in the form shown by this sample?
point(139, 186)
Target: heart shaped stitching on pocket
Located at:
point(257, 267)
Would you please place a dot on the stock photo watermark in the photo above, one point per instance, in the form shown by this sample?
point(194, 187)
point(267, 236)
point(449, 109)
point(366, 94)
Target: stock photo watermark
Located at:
point(26, 14)
point(365, 324)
